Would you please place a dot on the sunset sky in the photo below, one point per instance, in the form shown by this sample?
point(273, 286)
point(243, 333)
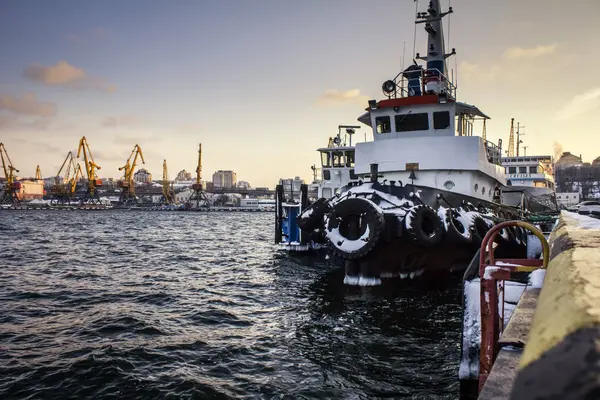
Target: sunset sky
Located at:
point(261, 84)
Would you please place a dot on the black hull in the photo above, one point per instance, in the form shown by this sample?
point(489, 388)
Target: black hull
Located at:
point(392, 252)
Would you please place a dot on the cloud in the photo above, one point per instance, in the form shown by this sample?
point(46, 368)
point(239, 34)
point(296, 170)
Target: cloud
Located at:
point(27, 105)
point(66, 75)
point(580, 104)
point(471, 71)
point(517, 52)
point(123, 120)
point(334, 97)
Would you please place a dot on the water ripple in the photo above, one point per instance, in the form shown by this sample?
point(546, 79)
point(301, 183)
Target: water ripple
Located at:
point(192, 305)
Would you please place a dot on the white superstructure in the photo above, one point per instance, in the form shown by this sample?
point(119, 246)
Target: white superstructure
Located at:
point(422, 135)
point(529, 171)
point(337, 164)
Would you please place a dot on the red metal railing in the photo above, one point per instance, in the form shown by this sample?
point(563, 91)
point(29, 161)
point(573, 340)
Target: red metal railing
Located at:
point(492, 277)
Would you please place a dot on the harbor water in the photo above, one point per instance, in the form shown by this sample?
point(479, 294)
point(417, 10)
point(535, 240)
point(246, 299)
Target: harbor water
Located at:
point(117, 304)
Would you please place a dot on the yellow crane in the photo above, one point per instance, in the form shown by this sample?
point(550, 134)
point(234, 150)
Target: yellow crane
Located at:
point(90, 169)
point(198, 194)
point(167, 187)
point(65, 180)
point(511, 139)
point(11, 186)
point(127, 184)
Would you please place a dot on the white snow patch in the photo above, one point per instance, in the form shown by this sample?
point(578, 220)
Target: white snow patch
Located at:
point(469, 364)
point(502, 263)
point(536, 278)
point(409, 216)
point(584, 221)
point(351, 280)
point(534, 246)
point(347, 245)
point(368, 281)
point(513, 291)
point(441, 212)
point(306, 213)
point(487, 274)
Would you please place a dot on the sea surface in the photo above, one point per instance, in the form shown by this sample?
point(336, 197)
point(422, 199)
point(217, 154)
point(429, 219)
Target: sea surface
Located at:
point(144, 305)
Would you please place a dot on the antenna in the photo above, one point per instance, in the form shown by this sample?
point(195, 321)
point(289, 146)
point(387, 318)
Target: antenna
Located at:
point(415, 33)
point(403, 51)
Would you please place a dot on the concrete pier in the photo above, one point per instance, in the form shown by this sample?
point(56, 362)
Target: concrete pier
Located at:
point(551, 347)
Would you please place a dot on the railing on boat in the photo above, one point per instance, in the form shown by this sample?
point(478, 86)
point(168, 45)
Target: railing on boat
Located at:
point(494, 152)
point(425, 77)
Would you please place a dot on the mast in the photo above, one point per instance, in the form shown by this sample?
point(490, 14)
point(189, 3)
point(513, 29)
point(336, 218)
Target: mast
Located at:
point(436, 51)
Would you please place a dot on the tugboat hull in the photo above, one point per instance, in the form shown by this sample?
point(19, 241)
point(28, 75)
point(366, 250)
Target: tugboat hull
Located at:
point(377, 231)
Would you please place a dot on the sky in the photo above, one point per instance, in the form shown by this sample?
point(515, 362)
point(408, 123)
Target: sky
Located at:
point(263, 83)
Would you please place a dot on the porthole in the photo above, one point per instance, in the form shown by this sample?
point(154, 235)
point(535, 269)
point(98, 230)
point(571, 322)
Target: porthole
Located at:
point(449, 185)
point(476, 187)
point(483, 191)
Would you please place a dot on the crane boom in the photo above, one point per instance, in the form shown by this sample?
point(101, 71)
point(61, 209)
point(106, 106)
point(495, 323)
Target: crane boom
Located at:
point(127, 184)
point(511, 139)
point(90, 169)
point(167, 190)
point(199, 167)
point(9, 194)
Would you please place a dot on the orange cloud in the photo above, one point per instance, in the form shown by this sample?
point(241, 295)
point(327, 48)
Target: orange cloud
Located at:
point(334, 97)
point(65, 74)
point(27, 105)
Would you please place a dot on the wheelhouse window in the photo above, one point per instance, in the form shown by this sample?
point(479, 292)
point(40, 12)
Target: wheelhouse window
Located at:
point(512, 170)
point(350, 159)
point(326, 159)
point(383, 124)
point(522, 170)
point(339, 160)
point(412, 122)
point(441, 120)
point(533, 170)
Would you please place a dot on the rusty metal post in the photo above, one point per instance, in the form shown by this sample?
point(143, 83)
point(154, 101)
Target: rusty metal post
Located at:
point(489, 328)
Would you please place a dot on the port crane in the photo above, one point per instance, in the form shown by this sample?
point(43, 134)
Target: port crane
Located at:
point(91, 167)
point(197, 190)
point(11, 187)
point(126, 184)
point(167, 188)
point(65, 181)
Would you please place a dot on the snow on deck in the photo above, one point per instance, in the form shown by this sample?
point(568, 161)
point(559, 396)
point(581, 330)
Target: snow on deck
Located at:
point(584, 221)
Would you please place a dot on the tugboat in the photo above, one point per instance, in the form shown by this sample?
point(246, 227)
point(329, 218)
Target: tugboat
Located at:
point(336, 172)
point(428, 188)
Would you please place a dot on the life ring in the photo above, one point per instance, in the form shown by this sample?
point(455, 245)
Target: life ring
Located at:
point(311, 217)
point(354, 227)
point(423, 226)
point(456, 231)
